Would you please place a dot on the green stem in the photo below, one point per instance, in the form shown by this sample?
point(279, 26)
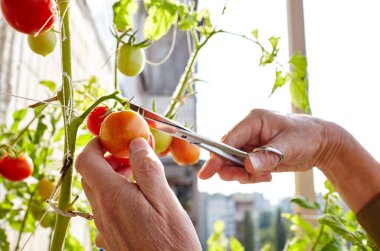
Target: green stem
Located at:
point(24, 220)
point(321, 229)
point(113, 95)
point(65, 96)
point(14, 142)
point(245, 37)
point(180, 91)
point(115, 67)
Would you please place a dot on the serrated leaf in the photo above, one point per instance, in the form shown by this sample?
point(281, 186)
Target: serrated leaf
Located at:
point(274, 42)
point(280, 81)
point(49, 84)
point(123, 11)
point(235, 245)
point(188, 19)
point(255, 33)
point(162, 14)
point(335, 224)
point(306, 203)
point(82, 140)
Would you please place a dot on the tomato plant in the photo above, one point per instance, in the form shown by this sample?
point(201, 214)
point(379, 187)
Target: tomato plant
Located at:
point(16, 168)
point(183, 152)
point(119, 128)
point(44, 43)
point(131, 60)
point(29, 16)
point(96, 118)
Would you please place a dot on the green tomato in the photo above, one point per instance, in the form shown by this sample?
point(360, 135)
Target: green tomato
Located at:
point(44, 43)
point(48, 220)
point(162, 141)
point(36, 210)
point(130, 60)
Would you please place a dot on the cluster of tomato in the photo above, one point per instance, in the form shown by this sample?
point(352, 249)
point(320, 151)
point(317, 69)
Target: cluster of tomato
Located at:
point(117, 129)
point(34, 18)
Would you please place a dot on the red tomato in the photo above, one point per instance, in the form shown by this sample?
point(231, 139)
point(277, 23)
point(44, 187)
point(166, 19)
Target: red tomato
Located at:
point(28, 16)
point(119, 128)
point(117, 163)
point(183, 152)
point(96, 118)
point(16, 169)
point(151, 141)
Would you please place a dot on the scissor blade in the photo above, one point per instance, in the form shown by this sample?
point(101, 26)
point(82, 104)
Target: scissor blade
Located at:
point(152, 116)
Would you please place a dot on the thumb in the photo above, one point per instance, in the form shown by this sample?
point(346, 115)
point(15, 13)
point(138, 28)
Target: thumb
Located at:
point(148, 171)
point(262, 160)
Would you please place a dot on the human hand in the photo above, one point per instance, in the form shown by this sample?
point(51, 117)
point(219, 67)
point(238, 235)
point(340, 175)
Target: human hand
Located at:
point(302, 139)
point(129, 216)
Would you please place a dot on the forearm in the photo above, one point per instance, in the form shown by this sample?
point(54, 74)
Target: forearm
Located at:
point(353, 172)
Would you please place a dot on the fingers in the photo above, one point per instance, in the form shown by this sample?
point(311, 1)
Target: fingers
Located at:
point(261, 161)
point(233, 173)
point(149, 172)
point(95, 170)
point(211, 167)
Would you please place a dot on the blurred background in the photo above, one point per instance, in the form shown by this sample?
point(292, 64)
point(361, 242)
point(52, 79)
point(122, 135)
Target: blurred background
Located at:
point(342, 46)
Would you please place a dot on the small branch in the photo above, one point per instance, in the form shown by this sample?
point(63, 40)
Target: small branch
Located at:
point(44, 102)
point(114, 96)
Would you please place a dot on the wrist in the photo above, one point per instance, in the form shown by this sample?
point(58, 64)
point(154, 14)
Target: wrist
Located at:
point(353, 172)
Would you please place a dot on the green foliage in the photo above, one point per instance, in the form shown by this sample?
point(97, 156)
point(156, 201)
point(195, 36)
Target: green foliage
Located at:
point(4, 243)
point(248, 231)
point(123, 11)
point(219, 242)
point(298, 82)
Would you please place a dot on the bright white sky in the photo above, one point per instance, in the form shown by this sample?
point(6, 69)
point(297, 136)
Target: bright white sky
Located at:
point(342, 39)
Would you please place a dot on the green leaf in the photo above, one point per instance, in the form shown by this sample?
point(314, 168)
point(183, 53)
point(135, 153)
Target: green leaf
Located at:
point(306, 203)
point(274, 42)
point(4, 243)
point(301, 223)
point(235, 245)
point(59, 135)
point(162, 14)
point(72, 244)
point(280, 81)
point(333, 245)
point(188, 19)
point(41, 128)
point(123, 14)
point(298, 83)
point(329, 187)
point(17, 117)
point(337, 226)
point(298, 244)
point(82, 140)
point(255, 33)
point(49, 84)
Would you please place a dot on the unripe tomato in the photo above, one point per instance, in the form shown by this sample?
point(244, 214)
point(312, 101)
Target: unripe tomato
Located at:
point(28, 16)
point(183, 152)
point(130, 60)
point(119, 128)
point(44, 43)
point(162, 141)
point(16, 169)
point(48, 220)
point(45, 188)
point(96, 118)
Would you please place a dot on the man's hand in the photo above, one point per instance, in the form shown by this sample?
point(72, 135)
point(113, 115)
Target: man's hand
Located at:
point(134, 216)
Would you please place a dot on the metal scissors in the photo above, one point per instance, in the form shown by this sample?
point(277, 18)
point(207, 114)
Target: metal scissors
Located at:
point(177, 130)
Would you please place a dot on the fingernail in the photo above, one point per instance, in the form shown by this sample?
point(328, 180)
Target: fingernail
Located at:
point(256, 162)
point(138, 144)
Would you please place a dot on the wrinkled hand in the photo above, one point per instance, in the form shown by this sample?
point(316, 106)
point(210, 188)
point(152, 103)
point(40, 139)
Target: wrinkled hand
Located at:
point(301, 139)
point(129, 216)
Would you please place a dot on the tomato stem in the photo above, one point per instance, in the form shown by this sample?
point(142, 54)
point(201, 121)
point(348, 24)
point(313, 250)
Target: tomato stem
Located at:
point(115, 66)
point(180, 91)
point(65, 96)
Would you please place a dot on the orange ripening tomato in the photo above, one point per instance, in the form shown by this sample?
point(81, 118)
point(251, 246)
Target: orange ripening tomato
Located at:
point(183, 152)
point(119, 128)
point(16, 169)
